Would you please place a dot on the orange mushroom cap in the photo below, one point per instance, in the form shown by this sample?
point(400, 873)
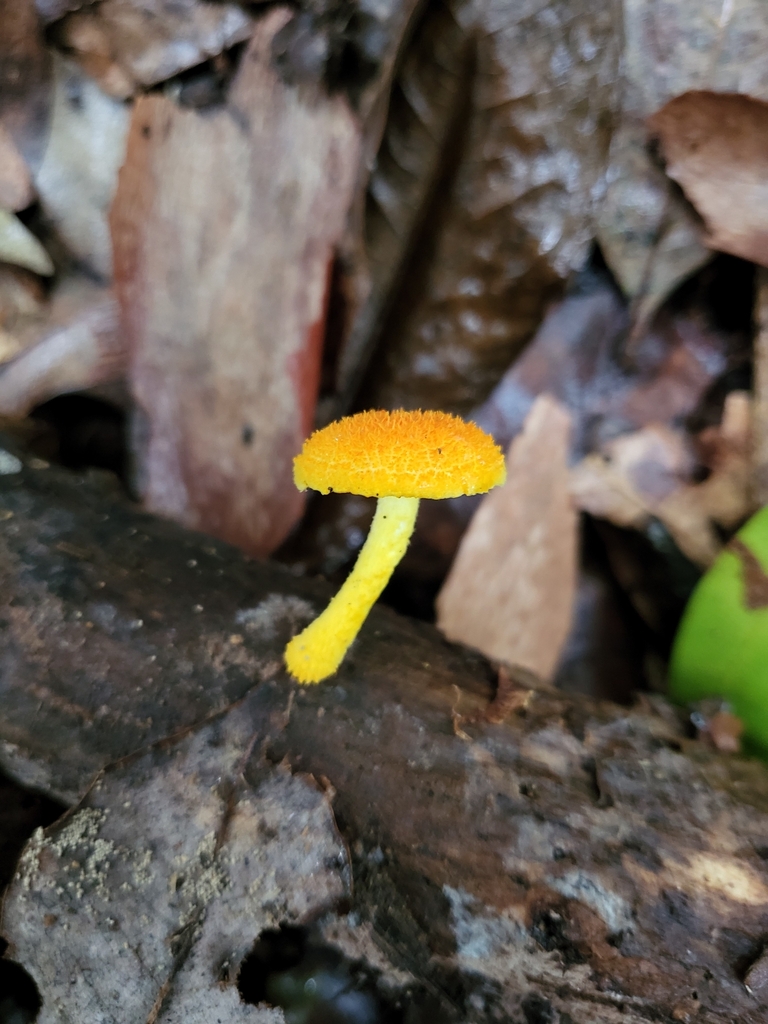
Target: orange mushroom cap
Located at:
point(400, 454)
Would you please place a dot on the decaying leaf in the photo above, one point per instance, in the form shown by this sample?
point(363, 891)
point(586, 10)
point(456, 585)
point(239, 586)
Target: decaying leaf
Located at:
point(76, 346)
point(16, 190)
point(648, 474)
point(724, 731)
point(715, 147)
point(725, 497)
point(20, 247)
point(78, 174)
point(427, 98)
point(224, 228)
point(598, 489)
point(516, 214)
point(510, 590)
point(142, 902)
point(150, 41)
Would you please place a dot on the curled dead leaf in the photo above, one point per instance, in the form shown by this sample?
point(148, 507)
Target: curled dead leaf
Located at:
point(77, 346)
point(20, 247)
point(716, 148)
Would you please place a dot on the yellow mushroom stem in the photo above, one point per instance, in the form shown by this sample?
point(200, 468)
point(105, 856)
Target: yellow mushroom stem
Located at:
point(317, 652)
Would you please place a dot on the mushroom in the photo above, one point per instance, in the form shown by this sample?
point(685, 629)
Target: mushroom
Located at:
point(399, 458)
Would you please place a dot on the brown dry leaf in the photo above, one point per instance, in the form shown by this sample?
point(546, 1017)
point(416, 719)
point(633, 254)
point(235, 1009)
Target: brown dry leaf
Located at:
point(716, 148)
point(646, 474)
point(224, 228)
point(150, 41)
point(141, 903)
point(426, 98)
point(490, 242)
point(510, 590)
point(655, 460)
point(597, 488)
point(16, 190)
point(9, 346)
point(77, 346)
point(84, 39)
point(725, 496)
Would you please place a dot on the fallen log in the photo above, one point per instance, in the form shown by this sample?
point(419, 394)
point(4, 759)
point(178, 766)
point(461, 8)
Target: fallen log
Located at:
point(577, 862)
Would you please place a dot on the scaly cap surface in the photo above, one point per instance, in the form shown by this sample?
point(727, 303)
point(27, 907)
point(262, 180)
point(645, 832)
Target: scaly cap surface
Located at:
point(400, 455)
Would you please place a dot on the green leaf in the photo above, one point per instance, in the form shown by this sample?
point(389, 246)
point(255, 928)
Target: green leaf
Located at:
point(721, 648)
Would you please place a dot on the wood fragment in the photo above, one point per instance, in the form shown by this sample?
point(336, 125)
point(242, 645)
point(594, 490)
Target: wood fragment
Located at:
point(510, 696)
